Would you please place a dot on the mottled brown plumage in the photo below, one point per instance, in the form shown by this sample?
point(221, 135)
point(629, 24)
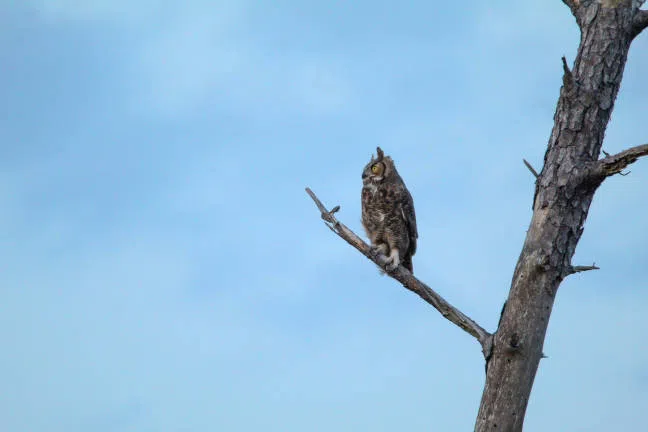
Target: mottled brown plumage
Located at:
point(388, 212)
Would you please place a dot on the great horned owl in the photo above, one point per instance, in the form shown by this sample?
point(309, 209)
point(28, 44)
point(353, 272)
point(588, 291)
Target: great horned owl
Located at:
point(388, 212)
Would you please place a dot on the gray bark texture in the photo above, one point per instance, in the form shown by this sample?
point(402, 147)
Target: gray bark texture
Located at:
point(565, 187)
point(571, 174)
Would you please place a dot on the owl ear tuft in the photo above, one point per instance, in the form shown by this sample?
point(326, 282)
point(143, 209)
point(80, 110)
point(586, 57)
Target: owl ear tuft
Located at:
point(380, 154)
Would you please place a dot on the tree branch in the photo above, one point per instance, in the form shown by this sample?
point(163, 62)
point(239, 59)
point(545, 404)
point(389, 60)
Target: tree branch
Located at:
point(406, 278)
point(572, 4)
point(568, 77)
point(639, 23)
point(533, 171)
point(614, 164)
point(578, 269)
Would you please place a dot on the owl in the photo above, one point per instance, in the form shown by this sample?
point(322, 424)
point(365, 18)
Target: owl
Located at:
point(388, 212)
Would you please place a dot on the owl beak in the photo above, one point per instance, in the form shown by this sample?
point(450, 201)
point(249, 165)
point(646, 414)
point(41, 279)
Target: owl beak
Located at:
point(364, 176)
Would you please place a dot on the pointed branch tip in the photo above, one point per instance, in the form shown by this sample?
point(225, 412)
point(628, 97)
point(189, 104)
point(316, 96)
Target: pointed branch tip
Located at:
point(565, 66)
point(533, 171)
point(318, 203)
point(325, 214)
point(578, 269)
point(568, 78)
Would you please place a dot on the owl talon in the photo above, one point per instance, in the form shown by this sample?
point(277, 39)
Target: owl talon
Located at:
point(391, 266)
point(394, 260)
point(376, 250)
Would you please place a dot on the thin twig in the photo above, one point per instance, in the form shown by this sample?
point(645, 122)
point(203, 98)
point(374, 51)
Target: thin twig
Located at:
point(326, 215)
point(578, 269)
point(568, 77)
point(408, 280)
point(565, 66)
point(533, 171)
point(616, 163)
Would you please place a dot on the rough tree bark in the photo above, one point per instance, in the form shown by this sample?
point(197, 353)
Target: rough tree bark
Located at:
point(564, 191)
point(571, 174)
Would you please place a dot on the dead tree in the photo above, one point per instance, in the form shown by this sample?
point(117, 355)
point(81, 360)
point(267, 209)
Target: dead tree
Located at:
point(572, 172)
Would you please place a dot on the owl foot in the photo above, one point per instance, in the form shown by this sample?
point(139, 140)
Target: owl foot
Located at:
point(394, 260)
point(378, 249)
point(390, 267)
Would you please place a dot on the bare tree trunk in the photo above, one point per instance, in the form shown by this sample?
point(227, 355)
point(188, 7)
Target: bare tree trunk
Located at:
point(565, 187)
point(564, 190)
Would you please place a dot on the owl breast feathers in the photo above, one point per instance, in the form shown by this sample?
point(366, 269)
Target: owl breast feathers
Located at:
point(388, 212)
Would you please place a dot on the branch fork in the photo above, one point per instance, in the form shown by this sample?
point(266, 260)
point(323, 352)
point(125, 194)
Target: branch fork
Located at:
point(615, 164)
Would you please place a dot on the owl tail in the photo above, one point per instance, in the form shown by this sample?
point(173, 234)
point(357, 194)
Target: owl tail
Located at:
point(407, 263)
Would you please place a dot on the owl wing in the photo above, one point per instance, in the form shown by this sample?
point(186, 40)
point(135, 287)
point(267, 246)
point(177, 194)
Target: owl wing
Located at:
point(407, 211)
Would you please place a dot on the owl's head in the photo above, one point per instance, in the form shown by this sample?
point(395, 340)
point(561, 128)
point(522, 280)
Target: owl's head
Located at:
point(378, 169)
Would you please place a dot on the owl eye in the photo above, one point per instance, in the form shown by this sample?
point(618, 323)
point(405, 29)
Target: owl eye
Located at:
point(375, 169)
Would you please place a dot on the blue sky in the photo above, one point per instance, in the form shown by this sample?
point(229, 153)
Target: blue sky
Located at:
point(163, 269)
